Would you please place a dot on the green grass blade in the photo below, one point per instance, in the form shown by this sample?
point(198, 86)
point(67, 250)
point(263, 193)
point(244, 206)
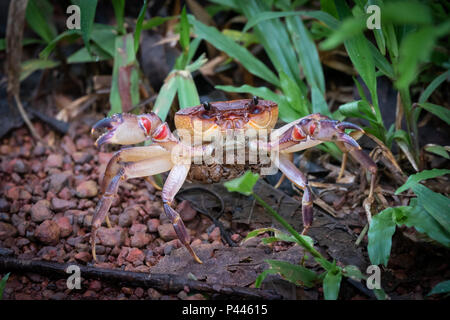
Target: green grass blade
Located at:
point(433, 85)
point(418, 177)
point(71, 34)
point(186, 89)
point(232, 49)
point(139, 22)
point(307, 52)
point(30, 66)
point(39, 16)
point(119, 9)
point(438, 111)
point(87, 9)
point(275, 39)
point(165, 97)
point(331, 285)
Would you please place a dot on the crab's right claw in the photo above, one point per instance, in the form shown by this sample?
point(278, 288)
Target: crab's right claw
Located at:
point(124, 128)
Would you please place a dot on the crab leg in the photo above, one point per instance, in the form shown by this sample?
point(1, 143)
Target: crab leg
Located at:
point(300, 180)
point(157, 160)
point(173, 183)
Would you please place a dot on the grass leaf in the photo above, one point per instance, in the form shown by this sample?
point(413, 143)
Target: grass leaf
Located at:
point(423, 175)
point(438, 111)
point(165, 97)
point(39, 16)
point(3, 284)
point(244, 184)
point(441, 287)
point(138, 29)
point(234, 50)
point(433, 85)
point(331, 285)
point(87, 9)
point(380, 234)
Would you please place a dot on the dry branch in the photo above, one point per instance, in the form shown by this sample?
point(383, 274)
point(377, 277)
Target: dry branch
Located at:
point(162, 282)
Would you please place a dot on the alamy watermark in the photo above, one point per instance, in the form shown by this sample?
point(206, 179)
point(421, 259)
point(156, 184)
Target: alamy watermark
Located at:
point(374, 20)
point(74, 20)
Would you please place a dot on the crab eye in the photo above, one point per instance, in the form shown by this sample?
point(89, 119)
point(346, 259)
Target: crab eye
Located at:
point(297, 134)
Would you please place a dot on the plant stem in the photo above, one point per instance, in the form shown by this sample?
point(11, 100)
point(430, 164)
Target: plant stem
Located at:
point(411, 124)
point(288, 227)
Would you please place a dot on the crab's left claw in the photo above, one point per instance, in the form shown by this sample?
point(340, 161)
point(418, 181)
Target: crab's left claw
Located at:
point(124, 128)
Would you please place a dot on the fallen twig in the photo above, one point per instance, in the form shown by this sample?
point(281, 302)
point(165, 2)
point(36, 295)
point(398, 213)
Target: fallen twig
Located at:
point(162, 282)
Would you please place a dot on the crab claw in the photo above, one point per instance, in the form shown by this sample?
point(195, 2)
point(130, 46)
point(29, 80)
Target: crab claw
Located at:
point(348, 125)
point(124, 128)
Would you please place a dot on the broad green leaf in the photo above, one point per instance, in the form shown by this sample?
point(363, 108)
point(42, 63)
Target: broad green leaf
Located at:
point(232, 49)
point(30, 66)
point(418, 217)
point(138, 29)
point(423, 175)
point(331, 285)
point(307, 52)
point(357, 109)
point(433, 85)
point(3, 284)
point(381, 230)
point(39, 16)
point(439, 150)
point(286, 113)
point(296, 274)
point(436, 204)
point(438, 111)
point(186, 89)
point(165, 97)
point(353, 272)
point(416, 47)
point(119, 9)
point(105, 38)
point(441, 287)
point(87, 9)
point(244, 184)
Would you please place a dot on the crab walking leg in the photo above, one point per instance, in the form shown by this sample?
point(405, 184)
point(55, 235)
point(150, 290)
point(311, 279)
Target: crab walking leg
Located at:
point(363, 159)
point(173, 183)
point(299, 179)
point(129, 170)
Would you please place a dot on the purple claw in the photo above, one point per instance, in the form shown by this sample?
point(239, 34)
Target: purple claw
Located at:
point(348, 140)
point(347, 125)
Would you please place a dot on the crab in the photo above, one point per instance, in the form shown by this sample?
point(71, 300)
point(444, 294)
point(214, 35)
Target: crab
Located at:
point(176, 153)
